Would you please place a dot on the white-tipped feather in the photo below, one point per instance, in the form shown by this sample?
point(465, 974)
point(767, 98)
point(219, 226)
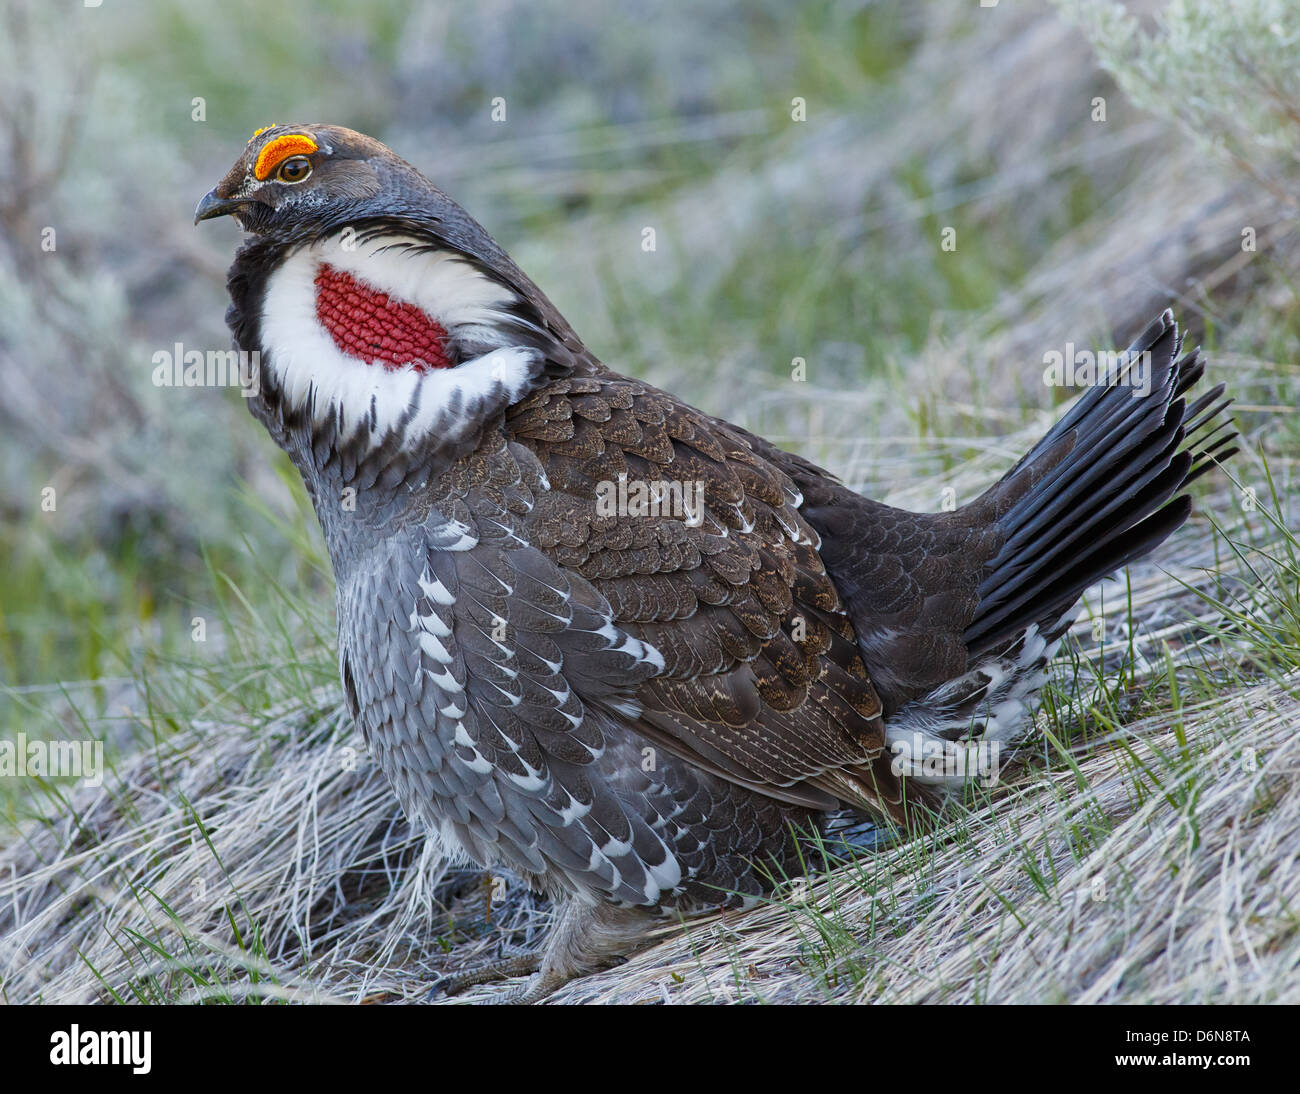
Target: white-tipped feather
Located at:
point(985, 708)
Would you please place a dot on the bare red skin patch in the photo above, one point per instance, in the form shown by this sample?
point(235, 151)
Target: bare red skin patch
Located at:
point(369, 326)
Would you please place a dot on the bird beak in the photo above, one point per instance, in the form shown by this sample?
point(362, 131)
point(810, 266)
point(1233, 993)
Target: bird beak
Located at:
point(213, 205)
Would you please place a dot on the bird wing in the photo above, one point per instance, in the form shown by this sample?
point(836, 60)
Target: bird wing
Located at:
point(761, 681)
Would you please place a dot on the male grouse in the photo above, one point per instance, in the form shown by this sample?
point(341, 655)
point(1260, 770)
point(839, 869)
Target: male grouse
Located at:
point(610, 641)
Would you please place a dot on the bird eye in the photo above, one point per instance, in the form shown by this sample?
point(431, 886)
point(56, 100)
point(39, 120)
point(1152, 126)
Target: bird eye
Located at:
point(294, 169)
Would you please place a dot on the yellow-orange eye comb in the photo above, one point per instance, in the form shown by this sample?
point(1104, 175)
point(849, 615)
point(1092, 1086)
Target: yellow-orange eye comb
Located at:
point(279, 150)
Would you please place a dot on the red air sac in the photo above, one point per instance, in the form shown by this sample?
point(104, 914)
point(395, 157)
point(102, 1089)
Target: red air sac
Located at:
point(369, 326)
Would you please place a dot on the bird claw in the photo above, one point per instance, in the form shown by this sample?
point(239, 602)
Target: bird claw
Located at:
point(505, 968)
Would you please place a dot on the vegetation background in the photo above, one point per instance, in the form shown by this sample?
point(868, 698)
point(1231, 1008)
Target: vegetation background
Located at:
point(1097, 162)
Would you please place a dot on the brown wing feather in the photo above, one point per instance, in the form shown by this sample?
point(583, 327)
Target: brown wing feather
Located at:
point(762, 682)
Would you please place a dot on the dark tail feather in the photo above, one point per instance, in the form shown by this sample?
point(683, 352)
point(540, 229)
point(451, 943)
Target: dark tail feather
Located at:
point(1099, 490)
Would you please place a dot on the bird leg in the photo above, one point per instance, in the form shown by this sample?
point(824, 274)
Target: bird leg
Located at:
point(585, 938)
point(520, 965)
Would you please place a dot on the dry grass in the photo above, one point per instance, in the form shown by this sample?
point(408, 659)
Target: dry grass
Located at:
point(268, 860)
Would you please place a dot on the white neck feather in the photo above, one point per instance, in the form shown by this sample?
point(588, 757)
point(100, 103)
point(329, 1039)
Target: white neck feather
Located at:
point(310, 371)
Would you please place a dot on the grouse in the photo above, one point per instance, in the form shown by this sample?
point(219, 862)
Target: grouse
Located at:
point(632, 652)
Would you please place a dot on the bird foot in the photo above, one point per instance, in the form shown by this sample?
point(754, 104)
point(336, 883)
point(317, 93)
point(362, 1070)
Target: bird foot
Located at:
point(539, 986)
point(583, 939)
point(504, 969)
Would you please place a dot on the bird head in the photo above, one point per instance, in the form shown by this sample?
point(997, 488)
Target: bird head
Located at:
point(377, 303)
point(292, 179)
